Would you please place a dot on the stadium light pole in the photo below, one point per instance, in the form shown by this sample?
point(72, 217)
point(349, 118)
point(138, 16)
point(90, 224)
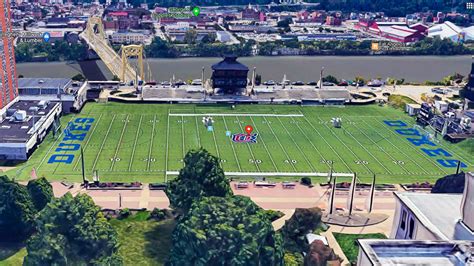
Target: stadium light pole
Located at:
point(321, 78)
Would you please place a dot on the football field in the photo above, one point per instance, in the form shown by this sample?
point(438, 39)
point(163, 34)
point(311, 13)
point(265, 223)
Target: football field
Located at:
point(147, 142)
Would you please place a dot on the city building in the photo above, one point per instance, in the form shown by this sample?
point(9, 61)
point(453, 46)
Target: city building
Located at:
point(129, 38)
point(252, 14)
point(417, 218)
point(449, 30)
point(407, 252)
point(71, 94)
point(229, 75)
point(8, 80)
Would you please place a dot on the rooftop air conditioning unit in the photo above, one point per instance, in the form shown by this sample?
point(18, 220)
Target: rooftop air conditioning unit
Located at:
point(20, 115)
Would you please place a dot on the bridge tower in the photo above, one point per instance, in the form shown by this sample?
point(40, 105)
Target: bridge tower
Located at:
point(132, 51)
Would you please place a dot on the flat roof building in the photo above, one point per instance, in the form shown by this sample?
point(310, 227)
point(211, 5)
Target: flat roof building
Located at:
point(24, 125)
point(405, 252)
point(418, 216)
point(72, 94)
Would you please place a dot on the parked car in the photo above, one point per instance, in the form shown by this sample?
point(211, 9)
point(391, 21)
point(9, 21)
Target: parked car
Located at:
point(269, 83)
point(179, 83)
point(438, 91)
point(343, 83)
point(312, 83)
point(298, 83)
point(165, 83)
point(196, 82)
point(328, 83)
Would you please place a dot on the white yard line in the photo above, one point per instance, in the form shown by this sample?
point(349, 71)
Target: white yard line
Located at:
point(414, 148)
point(135, 143)
point(248, 146)
point(312, 144)
point(103, 143)
point(265, 146)
point(368, 152)
point(279, 143)
point(119, 143)
point(396, 147)
point(87, 142)
point(197, 130)
point(349, 149)
point(246, 115)
point(232, 145)
point(182, 134)
point(297, 146)
point(276, 174)
point(327, 143)
point(167, 145)
point(151, 144)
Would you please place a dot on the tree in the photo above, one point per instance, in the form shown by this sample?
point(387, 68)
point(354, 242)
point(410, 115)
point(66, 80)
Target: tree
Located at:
point(202, 176)
point(41, 192)
point(78, 77)
point(450, 184)
point(73, 229)
point(301, 223)
point(330, 78)
point(17, 212)
point(115, 78)
point(319, 254)
point(226, 231)
point(190, 36)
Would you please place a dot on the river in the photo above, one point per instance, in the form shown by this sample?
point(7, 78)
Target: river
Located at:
point(305, 68)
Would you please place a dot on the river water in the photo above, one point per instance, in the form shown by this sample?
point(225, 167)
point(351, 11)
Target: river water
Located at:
point(305, 68)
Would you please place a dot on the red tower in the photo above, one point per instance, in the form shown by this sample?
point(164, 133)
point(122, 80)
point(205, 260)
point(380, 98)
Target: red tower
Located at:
point(8, 78)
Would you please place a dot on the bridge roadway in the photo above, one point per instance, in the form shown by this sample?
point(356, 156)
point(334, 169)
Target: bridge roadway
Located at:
point(108, 55)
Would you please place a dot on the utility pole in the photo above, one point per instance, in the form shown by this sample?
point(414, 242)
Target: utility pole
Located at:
point(321, 78)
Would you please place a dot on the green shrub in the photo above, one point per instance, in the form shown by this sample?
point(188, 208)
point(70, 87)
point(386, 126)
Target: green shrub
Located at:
point(306, 181)
point(158, 214)
point(274, 215)
point(124, 213)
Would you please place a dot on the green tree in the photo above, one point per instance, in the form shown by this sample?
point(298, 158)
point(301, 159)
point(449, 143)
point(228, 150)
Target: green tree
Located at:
point(17, 212)
point(301, 223)
point(226, 231)
point(450, 184)
point(78, 77)
point(201, 176)
point(190, 36)
point(330, 78)
point(73, 230)
point(41, 192)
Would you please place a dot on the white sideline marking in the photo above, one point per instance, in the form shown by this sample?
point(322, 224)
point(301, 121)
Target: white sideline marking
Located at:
point(275, 174)
point(270, 115)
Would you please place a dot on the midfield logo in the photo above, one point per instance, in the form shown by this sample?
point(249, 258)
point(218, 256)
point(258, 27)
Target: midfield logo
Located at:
point(245, 138)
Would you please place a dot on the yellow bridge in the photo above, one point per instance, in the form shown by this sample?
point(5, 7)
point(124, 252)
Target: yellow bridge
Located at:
point(119, 65)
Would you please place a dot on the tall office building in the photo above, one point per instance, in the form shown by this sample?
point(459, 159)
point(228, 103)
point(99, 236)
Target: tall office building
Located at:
point(8, 78)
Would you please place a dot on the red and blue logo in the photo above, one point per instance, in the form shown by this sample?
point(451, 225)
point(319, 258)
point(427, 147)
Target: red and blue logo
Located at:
point(245, 138)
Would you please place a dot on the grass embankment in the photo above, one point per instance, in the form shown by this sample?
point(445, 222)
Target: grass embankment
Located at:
point(348, 243)
point(143, 241)
point(399, 101)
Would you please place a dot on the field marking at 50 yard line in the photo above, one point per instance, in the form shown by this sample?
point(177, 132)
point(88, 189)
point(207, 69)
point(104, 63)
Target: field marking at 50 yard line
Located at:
point(329, 145)
point(375, 143)
point(103, 143)
point(135, 144)
point(396, 147)
point(53, 145)
point(297, 146)
point(264, 145)
point(151, 144)
point(279, 143)
point(119, 144)
point(96, 124)
point(232, 145)
point(248, 146)
point(418, 151)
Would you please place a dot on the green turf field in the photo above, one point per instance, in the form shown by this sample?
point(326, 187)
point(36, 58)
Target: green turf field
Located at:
point(129, 142)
